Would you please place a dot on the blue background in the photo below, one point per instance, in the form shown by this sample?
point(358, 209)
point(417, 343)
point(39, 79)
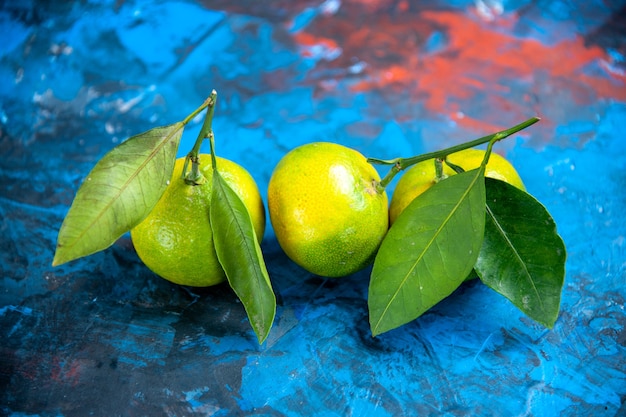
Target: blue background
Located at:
point(104, 336)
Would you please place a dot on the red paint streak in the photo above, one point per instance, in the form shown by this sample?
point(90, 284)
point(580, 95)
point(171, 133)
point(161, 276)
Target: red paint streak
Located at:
point(476, 125)
point(371, 5)
point(30, 369)
point(606, 87)
point(482, 76)
point(403, 6)
point(475, 49)
point(65, 372)
point(397, 74)
point(56, 369)
point(313, 46)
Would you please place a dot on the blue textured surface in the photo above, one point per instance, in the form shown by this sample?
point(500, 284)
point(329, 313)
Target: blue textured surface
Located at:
point(104, 336)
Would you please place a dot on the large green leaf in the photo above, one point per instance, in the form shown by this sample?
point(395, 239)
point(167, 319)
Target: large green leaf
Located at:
point(239, 253)
point(522, 257)
point(428, 252)
point(119, 192)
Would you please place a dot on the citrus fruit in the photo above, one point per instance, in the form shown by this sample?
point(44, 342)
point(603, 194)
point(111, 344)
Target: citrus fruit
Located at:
point(175, 241)
point(422, 176)
point(326, 211)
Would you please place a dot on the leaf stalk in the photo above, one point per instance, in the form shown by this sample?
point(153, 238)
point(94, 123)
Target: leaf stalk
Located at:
point(400, 164)
point(194, 176)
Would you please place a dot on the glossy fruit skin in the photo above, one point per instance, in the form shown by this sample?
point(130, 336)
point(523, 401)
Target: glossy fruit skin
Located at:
point(325, 210)
point(422, 176)
point(176, 241)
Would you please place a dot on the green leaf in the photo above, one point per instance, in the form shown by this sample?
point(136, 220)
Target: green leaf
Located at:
point(522, 257)
point(118, 193)
point(428, 252)
point(239, 253)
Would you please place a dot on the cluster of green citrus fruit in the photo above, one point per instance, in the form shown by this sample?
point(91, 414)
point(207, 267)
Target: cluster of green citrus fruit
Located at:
point(327, 210)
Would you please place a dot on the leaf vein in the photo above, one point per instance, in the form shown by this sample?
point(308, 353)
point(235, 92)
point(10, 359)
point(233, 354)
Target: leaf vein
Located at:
point(516, 253)
point(122, 188)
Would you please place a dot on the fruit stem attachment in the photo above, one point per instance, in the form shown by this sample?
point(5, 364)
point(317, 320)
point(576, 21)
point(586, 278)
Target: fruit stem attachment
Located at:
point(488, 152)
point(212, 147)
point(400, 164)
point(439, 175)
point(194, 176)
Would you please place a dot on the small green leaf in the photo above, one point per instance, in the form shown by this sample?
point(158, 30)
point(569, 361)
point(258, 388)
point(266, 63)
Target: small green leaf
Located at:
point(240, 255)
point(428, 252)
point(119, 192)
point(522, 257)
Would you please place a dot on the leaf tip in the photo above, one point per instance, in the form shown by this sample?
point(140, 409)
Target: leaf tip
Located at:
point(262, 337)
point(262, 330)
point(375, 328)
point(550, 322)
point(58, 260)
